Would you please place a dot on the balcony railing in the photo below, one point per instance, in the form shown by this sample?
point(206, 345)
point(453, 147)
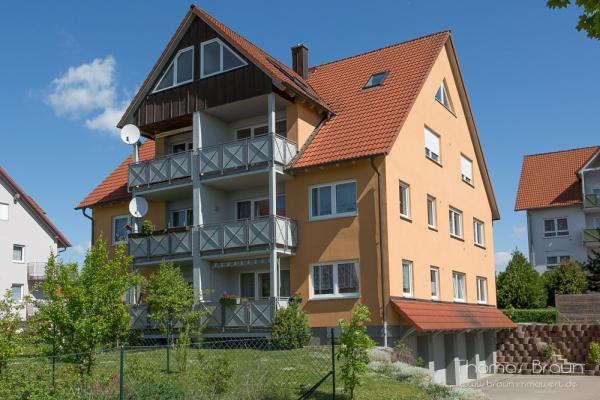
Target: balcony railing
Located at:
point(36, 271)
point(171, 243)
point(220, 159)
point(591, 200)
point(248, 233)
point(591, 236)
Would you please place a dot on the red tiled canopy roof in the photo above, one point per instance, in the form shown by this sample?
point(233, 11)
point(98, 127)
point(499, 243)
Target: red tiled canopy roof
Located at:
point(550, 179)
point(114, 187)
point(366, 122)
point(427, 315)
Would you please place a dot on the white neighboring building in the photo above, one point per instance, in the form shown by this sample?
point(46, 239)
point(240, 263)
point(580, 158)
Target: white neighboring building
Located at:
point(560, 191)
point(27, 237)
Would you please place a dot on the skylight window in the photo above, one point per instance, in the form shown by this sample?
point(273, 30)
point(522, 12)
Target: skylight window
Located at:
point(179, 72)
point(443, 97)
point(376, 79)
point(216, 57)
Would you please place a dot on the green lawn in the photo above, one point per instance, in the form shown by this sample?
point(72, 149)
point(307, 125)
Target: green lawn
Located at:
point(254, 374)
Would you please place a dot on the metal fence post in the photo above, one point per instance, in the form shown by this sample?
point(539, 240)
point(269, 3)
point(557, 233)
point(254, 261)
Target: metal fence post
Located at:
point(53, 354)
point(121, 370)
point(169, 347)
point(332, 365)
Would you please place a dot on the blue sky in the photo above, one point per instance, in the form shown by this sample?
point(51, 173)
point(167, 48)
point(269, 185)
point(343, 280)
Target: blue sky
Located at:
point(70, 67)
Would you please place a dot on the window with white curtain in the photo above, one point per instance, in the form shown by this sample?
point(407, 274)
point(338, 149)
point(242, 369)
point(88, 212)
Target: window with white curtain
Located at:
point(458, 279)
point(478, 232)
point(432, 146)
point(481, 290)
point(434, 276)
point(456, 227)
point(335, 279)
point(466, 169)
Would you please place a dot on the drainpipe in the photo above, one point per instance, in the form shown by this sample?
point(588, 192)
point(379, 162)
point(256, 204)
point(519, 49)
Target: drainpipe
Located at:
point(92, 223)
point(381, 266)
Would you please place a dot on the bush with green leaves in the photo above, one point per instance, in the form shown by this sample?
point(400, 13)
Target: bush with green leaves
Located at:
point(218, 376)
point(354, 343)
point(538, 315)
point(593, 355)
point(11, 336)
point(547, 350)
point(290, 328)
point(520, 285)
point(567, 278)
point(592, 271)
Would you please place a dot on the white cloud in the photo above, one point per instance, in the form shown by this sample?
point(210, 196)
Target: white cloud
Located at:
point(88, 91)
point(80, 249)
point(501, 259)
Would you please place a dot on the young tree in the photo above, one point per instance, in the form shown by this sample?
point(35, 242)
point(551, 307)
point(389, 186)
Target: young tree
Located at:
point(353, 345)
point(84, 309)
point(290, 328)
point(592, 271)
point(589, 20)
point(567, 278)
point(10, 321)
point(520, 285)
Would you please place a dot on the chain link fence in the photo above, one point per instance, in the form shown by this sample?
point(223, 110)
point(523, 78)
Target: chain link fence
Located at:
point(249, 368)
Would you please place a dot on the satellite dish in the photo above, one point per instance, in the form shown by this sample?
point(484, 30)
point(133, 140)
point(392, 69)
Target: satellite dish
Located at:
point(130, 134)
point(138, 207)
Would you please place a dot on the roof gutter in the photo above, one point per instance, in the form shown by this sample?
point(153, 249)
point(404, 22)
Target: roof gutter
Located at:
point(92, 224)
point(381, 259)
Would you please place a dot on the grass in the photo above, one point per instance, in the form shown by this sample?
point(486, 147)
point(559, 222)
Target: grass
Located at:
point(254, 374)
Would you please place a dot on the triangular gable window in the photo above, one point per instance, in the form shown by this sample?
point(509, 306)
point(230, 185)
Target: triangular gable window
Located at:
point(179, 72)
point(443, 96)
point(216, 57)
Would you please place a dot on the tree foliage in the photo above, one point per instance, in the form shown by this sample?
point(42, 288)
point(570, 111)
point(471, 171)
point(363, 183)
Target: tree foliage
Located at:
point(353, 345)
point(589, 20)
point(11, 338)
point(83, 310)
point(592, 271)
point(520, 285)
point(567, 278)
point(290, 327)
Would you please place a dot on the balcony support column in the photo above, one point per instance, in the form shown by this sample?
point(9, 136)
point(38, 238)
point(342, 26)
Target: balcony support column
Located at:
point(200, 269)
point(273, 262)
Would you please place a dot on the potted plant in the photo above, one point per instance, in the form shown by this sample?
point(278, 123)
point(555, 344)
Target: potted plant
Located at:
point(147, 228)
point(229, 300)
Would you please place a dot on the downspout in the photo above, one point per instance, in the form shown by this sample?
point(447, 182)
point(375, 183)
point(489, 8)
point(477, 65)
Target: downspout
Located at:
point(382, 263)
point(92, 224)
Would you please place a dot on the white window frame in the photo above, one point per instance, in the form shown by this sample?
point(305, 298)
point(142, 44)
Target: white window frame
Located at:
point(432, 201)
point(453, 231)
point(221, 70)
point(410, 278)
point(334, 213)
point(429, 153)
point(478, 232)
point(443, 88)
point(4, 215)
point(432, 268)
point(482, 290)
point(455, 275)
point(174, 64)
point(404, 191)
point(189, 146)
point(253, 127)
point(185, 210)
point(336, 294)
point(558, 260)
point(22, 260)
point(20, 285)
point(114, 219)
point(465, 178)
point(555, 232)
point(253, 201)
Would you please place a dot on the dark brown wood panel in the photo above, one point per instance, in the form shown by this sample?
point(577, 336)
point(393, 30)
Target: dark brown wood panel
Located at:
point(181, 101)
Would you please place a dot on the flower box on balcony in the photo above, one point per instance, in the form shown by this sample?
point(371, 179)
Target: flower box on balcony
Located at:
point(229, 300)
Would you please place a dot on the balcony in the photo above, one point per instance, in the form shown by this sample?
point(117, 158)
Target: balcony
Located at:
point(591, 237)
point(175, 242)
point(591, 202)
point(36, 271)
point(213, 161)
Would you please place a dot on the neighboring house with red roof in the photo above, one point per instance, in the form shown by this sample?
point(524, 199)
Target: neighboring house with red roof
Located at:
point(27, 237)
point(359, 180)
point(560, 191)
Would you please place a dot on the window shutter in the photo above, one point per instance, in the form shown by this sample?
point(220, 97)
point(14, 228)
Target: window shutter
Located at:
point(432, 141)
point(466, 168)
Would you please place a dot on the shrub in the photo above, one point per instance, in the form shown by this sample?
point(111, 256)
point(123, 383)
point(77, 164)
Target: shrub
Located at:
point(593, 355)
point(404, 353)
point(539, 315)
point(290, 328)
point(567, 278)
point(547, 350)
point(353, 345)
point(520, 285)
point(219, 374)
point(147, 228)
point(592, 271)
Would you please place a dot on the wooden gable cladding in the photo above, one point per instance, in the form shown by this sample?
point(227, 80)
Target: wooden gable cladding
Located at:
point(181, 101)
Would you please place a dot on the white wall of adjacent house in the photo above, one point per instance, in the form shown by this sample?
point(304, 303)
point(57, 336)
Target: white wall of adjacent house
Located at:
point(544, 245)
point(20, 228)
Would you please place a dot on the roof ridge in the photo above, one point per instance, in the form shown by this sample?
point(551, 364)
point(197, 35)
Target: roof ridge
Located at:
point(447, 31)
point(560, 151)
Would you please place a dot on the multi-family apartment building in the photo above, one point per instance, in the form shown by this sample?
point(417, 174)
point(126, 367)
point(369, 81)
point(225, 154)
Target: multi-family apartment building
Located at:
point(359, 180)
point(560, 192)
point(27, 238)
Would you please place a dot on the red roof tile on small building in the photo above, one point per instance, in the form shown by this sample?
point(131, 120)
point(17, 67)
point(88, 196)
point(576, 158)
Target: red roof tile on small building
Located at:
point(551, 180)
point(427, 315)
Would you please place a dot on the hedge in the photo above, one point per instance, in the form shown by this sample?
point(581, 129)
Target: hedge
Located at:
point(537, 315)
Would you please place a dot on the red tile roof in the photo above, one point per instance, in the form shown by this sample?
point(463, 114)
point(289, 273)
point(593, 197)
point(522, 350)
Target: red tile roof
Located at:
point(367, 122)
point(114, 187)
point(61, 239)
point(427, 315)
point(550, 179)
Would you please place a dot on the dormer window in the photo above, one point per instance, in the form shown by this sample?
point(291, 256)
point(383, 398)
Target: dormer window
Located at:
point(216, 57)
point(443, 97)
point(376, 79)
point(179, 72)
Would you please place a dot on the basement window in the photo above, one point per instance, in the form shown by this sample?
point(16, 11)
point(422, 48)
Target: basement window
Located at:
point(216, 57)
point(180, 71)
point(376, 80)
